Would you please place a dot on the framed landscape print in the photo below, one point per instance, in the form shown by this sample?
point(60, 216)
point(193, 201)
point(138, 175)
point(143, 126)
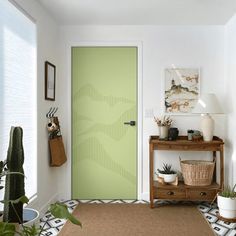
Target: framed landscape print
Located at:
point(182, 87)
point(50, 81)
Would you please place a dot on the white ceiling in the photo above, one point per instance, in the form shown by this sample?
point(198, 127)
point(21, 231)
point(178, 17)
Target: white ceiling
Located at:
point(141, 12)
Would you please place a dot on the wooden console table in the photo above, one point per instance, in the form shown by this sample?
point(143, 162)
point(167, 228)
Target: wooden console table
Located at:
point(182, 191)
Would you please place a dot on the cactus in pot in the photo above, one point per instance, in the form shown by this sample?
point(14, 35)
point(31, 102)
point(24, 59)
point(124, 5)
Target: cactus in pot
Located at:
point(14, 186)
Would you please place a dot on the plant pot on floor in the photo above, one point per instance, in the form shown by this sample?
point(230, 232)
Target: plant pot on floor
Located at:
point(227, 207)
point(30, 216)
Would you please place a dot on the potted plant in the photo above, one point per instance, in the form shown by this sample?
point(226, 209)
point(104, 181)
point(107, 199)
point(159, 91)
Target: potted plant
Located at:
point(226, 200)
point(167, 173)
point(163, 123)
point(16, 220)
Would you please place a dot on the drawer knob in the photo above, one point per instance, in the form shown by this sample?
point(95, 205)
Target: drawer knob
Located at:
point(170, 193)
point(203, 194)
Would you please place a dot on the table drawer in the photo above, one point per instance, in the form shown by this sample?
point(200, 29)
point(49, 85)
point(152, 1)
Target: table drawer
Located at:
point(170, 193)
point(201, 194)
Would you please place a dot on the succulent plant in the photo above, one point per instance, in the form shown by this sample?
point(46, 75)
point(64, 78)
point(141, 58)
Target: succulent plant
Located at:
point(14, 186)
point(228, 192)
point(166, 169)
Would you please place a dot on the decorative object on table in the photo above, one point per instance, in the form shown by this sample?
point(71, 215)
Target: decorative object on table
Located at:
point(196, 172)
point(226, 200)
point(173, 134)
point(57, 150)
point(167, 173)
point(15, 184)
point(207, 104)
point(194, 135)
point(50, 81)
point(164, 123)
point(190, 134)
point(181, 89)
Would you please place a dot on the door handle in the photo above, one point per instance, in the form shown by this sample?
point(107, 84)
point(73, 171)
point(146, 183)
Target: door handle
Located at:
point(131, 123)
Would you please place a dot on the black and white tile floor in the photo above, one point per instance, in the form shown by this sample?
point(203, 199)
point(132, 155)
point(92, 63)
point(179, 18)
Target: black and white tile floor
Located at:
point(53, 226)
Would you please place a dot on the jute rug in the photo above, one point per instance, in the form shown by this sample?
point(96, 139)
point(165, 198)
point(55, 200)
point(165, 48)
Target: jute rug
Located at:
point(137, 220)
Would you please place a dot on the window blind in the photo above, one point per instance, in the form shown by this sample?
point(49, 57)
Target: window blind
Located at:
point(18, 87)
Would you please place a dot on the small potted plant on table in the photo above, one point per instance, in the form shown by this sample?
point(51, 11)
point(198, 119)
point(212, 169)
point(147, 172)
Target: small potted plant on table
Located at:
point(167, 173)
point(226, 200)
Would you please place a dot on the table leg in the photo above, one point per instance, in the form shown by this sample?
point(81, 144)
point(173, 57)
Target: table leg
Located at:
point(151, 175)
point(221, 166)
point(214, 159)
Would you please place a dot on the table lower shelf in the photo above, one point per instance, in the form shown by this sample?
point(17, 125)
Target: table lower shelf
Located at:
point(185, 192)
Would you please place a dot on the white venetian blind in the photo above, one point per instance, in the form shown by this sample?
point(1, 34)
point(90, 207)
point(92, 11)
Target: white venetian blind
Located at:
point(18, 86)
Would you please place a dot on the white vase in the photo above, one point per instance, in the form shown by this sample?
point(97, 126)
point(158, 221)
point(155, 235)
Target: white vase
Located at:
point(227, 207)
point(163, 132)
point(207, 127)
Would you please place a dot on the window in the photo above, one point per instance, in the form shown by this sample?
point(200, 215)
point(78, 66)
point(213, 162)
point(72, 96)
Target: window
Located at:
point(18, 86)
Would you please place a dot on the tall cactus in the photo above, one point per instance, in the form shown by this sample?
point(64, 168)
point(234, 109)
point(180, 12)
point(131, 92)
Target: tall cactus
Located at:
point(15, 186)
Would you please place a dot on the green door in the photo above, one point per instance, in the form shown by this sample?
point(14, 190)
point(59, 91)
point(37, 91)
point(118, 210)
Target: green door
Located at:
point(104, 84)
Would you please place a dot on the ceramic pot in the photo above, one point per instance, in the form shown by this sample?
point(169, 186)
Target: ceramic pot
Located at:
point(227, 207)
point(169, 178)
point(30, 216)
point(163, 132)
point(173, 133)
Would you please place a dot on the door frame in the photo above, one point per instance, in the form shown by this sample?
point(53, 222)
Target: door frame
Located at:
point(138, 45)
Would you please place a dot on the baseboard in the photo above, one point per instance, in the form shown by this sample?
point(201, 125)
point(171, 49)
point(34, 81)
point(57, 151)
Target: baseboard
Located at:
point(44, 208)
point(145, 196)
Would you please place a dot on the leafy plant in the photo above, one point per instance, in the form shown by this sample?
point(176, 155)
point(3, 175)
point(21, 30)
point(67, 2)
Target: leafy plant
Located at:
point(58, 210)
point(228, 192)
point(13, 167)
point(166, 169)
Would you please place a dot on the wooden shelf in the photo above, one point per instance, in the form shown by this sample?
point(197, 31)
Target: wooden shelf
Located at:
point(182, 191)
point(181, 185)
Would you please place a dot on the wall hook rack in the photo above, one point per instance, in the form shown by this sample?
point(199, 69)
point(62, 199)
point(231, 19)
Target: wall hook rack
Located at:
point(52, 111)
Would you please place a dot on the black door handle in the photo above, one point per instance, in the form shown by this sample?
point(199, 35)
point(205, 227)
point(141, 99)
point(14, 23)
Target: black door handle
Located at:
point(131, 123)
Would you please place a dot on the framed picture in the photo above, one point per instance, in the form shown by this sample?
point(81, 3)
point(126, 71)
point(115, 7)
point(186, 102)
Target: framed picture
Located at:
point(50, 81)
point(182, 87)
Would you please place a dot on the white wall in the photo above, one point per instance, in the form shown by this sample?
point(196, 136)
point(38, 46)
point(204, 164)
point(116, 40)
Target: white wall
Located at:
point(47, 41)
point(197, 46)
point(230, 68)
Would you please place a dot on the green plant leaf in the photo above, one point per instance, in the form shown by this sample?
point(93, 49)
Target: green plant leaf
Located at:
point(7, 229)
point(60, 210)
point(22, 199)
point(30, 230)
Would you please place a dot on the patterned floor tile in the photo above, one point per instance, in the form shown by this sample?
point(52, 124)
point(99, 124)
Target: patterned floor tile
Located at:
point(220, 230)
point(50, 232)
point(214, 211)
point(210, 218)
point(227, 224)
point(204, 208)
point(231, 233)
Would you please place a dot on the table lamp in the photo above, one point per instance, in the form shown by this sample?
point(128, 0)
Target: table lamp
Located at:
point(207, 104)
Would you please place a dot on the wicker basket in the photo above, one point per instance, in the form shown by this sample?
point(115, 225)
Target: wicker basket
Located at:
point(197, 173)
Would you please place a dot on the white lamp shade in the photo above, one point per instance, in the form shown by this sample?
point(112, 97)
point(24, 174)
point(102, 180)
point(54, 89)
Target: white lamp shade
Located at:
point(207, 104)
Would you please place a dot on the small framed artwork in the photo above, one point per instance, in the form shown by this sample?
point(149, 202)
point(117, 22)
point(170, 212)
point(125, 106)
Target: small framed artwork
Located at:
point(50, 81)
point(182, 87)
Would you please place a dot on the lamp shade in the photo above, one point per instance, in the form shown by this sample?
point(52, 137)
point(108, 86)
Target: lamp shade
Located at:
point(207, 104)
